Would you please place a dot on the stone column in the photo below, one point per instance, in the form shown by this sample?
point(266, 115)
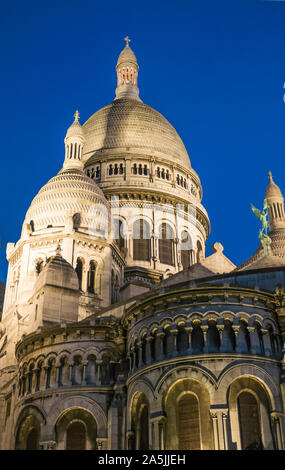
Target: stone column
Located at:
point(127, 169)
point(140, 362)
point(130, 435)
point(148, 340)
point(103, 170)
point(215, 429)
point(236, 332)
point(276, 426)
point(161, 433)
point(98, 374)
point(266, 342)
point(84, 364)
point(158, 438)
point(71, 364)
point(174, 331)
point(159, 341)
point(35, 379)
point(46, 368)
point(133, 353)
point(204, 329)
point(219, 416)
point(251, 329)
point(220, 328)
point(84, 278)
point(57, 368)
point(189, 330)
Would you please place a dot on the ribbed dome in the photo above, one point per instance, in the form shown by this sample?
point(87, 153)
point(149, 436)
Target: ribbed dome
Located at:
point(127, 56)
point(273, 190)
point(130, 126)
point(75, 130)
point(69, 192)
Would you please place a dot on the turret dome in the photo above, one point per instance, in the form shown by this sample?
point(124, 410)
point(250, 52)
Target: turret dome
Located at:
point(127, 56)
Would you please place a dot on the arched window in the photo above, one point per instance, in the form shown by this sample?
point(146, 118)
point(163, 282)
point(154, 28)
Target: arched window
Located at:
point(91, 277)
point(140, 422)
point(79, 271)
point(118, 233)
point(76, 219)
point(39, 266)
point(115, 286)
point(32, 442)
point(188, 423)
point(141, 240)
point(250, 431)
point(165, 244)
point(143, 427)
point(76, 436)
point(197, 339)
point(200, 255)
point(185, 249)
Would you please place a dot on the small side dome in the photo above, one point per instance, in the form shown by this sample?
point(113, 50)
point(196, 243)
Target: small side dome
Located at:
point(58, 273)
point(75, 130)
point(127, 56)
point(58, 286)
point(272, 189)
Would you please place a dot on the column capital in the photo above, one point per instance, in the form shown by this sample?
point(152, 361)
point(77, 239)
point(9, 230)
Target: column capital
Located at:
point(236, 329)
point(149, 339)
point(250, 329)
point(47, 445)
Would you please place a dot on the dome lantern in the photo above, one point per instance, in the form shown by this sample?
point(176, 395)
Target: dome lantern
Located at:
point(275, 203)
point(74, 142)
point(127, 74)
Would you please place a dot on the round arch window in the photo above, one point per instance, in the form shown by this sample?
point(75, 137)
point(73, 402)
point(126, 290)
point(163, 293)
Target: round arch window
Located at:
point(76, 436)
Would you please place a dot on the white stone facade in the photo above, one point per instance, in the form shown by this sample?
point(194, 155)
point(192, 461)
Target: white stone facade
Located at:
point(117, 332)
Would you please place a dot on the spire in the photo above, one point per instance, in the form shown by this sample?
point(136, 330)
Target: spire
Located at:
point(58, 249)
point(127, 74)
point(74, 141)
point(275, 202)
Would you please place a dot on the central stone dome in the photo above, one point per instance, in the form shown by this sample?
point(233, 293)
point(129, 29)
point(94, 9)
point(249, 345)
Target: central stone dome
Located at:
point(130, 126)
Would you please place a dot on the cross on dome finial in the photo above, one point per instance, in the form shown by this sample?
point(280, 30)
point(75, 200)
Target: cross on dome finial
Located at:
point(127, 39)
point(76, 115)
point(58, 249)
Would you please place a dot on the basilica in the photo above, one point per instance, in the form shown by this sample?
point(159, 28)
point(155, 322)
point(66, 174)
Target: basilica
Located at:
point(117, 331)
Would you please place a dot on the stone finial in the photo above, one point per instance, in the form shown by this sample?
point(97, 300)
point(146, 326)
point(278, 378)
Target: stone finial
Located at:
point(270, 176)
point(217, 248)
point(76, 116)
point(58, 249)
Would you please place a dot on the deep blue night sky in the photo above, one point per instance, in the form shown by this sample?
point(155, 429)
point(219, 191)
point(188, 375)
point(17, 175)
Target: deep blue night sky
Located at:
point(215, 69)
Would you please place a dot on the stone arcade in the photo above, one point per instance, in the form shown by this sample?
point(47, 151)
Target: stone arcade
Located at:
point(117, 331)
